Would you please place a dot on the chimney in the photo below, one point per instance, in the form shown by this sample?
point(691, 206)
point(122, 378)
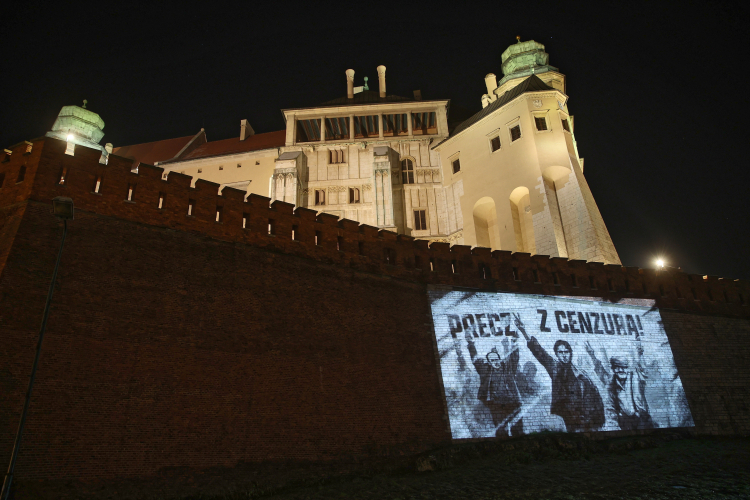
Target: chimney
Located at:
point(245, 130)
point(491, 81)
point(417, 95)
point(350, 83)
point(381, 79)
point(485, 100)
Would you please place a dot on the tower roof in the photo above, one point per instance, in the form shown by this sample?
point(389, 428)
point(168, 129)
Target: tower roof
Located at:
point(523, 59)
point(85, 126)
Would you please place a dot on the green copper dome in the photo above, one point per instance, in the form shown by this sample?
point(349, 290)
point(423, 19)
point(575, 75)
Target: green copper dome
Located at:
point(85, 126)
point(523, 59)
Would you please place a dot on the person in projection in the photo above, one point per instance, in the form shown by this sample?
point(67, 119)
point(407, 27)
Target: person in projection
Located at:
point(626, 405)
point(497, 385)
point(575, 397)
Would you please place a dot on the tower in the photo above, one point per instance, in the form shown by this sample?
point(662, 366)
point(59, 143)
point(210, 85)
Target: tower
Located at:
point(517, 164)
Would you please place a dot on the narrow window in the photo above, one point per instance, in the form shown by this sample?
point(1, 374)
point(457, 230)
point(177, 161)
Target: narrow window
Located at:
point(695, 295)
point(191, 207)
point(515, 274)
point(318, 238)
point(515, 133)
point(565, 125)
point(162, 197)
point(407, 171)
point(271, 227)
point(390, 256)
point(661, 290)
point(432, 263)
point(98, 184)
point(555, 281)
point(245, 217)
point(294, 232)
point(610, 285)
point(536, 276)
point(541, 122)
point(239, 166)
point(592, 283)
point(320, 197)
point(627, 286)
point(63, 173)
point(339, 243)
point(353, 195)
point(456, 166)
point(131, 192)
point(219, 210)
point(21, 174)
point(361, 247)
point(2, 179)
point(485, 271)
point(453, 266)
point(420, 219)
point(495, 143)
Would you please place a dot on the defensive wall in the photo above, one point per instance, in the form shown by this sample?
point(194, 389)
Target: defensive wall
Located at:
point(248, 332)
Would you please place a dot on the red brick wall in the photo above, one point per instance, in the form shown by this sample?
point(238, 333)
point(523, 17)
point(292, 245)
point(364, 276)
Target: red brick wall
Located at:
point(180, 341)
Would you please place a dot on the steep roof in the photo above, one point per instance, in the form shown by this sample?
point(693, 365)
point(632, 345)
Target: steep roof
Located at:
point(235, 145)
point(152, 152)
point(531, 84)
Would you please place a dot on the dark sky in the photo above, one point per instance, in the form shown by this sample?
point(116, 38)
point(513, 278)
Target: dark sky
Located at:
point(656, 90)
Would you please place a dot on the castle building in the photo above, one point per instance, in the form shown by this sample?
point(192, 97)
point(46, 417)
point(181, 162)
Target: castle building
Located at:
point(507, 178)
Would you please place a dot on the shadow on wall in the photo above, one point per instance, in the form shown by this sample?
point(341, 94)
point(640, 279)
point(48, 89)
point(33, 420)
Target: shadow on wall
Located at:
point(523, 224)
point(485, 223)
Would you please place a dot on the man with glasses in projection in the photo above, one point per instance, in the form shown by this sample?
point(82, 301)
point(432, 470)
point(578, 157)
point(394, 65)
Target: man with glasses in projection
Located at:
point(575, 397)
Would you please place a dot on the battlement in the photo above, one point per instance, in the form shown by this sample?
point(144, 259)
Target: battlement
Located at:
point(40, 170)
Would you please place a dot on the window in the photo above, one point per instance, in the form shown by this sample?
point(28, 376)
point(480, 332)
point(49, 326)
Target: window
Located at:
point(63, 173)
point(515, 133)
point(239, 166)
point(131, 192)
point(320, 197)
point(295, 232)
point(318, 237)
point(337, 128)
point(454, 268)
point(495, 143)
point(219, 213)
point(353, 195)
point(21, 174)
point(407, 171)
point(336, 156)
point(541, 123)
point(592, 283)
point(366, 126)
point(162, 197)
point(390, 256)
point(191, 207)
point(420, 220)
point(245, 218)
point(627, 286)
point(515, 274)
point(98, 184)
point(536, 275)
point(394, 125)
point(456, 165)
point(424, 123)
point(271, 227)
point(339, 243)
point(565, 125)
point(308, 130)
point(361, 247)
point(555, 280)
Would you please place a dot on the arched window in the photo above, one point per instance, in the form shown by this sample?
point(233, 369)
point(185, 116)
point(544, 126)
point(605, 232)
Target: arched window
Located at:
point(407, 171)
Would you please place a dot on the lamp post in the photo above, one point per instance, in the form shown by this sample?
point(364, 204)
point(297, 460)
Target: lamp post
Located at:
point(63, 209)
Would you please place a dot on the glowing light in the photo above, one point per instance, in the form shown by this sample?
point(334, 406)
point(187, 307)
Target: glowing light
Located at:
point(660, 263)
point(70, 137)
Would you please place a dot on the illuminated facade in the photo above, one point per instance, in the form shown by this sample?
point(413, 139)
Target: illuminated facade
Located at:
point(508, 178)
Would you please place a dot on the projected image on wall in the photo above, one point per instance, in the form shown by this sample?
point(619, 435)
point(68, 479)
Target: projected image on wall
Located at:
point(514, 364)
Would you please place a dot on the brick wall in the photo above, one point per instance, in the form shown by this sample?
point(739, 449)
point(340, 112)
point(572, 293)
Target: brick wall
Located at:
point(177, 340)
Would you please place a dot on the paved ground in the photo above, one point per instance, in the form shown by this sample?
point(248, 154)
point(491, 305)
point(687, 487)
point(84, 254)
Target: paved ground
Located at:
point(684, 469)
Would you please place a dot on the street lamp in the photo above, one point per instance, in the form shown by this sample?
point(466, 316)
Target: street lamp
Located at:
point(63, 209)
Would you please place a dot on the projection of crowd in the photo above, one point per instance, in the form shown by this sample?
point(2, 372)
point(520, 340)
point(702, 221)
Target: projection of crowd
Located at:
point(514, 364)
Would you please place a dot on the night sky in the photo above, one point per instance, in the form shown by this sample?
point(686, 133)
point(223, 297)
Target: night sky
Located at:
point(656, 91)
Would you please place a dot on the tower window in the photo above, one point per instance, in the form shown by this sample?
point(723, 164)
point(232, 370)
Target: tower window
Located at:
point(420, 220)
point(320, 197)
point(541, 123)
point(456, 165)
point(565, 125)
point(407, 171)
point(495, 143)
point(515, 133)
